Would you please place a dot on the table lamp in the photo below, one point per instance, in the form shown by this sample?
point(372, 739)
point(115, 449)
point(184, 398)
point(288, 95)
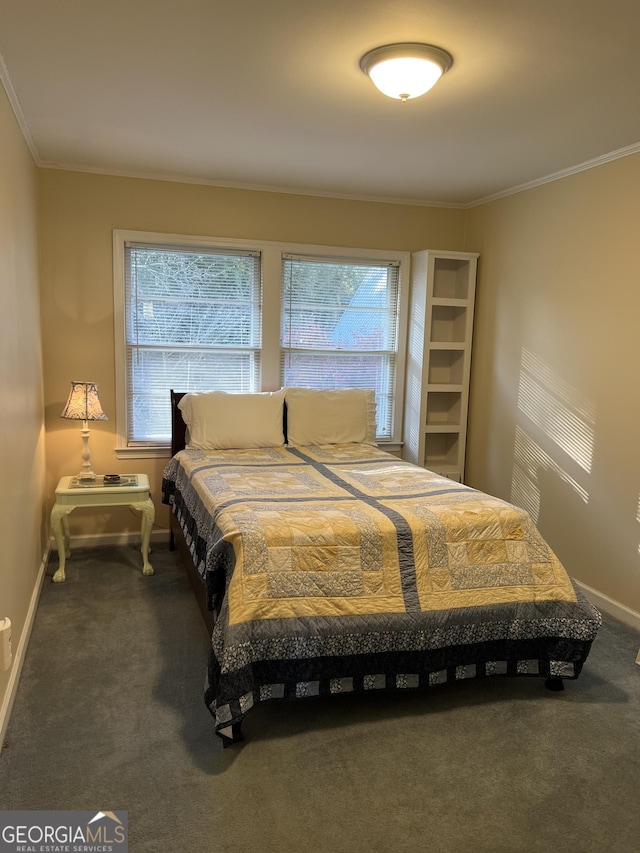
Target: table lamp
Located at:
point(84, 405)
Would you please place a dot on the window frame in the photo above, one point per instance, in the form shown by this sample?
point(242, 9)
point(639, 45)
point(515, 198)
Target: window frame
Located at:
point(271, 273)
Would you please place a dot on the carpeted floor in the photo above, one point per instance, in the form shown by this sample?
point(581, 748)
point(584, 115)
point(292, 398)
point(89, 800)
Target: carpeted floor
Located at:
point(109, 715)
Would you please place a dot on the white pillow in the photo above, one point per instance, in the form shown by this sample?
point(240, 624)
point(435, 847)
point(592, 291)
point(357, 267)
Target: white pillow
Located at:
point(330, 417)
point(220, 421)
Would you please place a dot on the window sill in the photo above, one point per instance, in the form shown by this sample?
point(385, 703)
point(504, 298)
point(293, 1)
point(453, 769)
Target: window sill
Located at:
point(158, 452)
point(391, 446)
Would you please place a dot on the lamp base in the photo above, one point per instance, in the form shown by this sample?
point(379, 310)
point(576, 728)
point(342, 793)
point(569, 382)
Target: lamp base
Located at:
point(86, 476)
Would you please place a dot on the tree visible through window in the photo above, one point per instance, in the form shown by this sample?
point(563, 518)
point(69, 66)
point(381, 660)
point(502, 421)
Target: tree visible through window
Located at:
point(193, 323)
point(339, 328)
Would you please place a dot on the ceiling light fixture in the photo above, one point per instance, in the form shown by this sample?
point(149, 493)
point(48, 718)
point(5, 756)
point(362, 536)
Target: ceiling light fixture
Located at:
point(405, 71)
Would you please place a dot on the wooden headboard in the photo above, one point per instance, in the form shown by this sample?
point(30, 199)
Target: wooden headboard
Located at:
point(178, 426)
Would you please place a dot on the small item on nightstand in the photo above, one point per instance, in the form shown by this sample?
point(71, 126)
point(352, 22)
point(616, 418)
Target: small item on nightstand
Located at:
point(112, 478)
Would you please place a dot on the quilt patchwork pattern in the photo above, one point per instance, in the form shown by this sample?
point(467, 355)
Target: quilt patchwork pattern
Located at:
point(349, 529)
point(323, 559)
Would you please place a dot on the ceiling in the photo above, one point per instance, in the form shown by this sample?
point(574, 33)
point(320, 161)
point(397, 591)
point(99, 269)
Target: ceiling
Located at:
point(269, 94)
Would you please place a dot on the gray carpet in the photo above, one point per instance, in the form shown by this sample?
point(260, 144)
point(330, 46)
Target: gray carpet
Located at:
point(109, 715)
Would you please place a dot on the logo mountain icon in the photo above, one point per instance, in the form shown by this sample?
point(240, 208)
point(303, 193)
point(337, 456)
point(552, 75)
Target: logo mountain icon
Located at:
point(110, 815)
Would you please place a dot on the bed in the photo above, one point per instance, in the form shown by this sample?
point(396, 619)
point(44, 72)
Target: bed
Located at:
point(325, 565)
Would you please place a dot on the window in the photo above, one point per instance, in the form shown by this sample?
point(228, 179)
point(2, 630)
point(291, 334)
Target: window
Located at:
point(192, 322)
point(339, 327)
point(197, 314)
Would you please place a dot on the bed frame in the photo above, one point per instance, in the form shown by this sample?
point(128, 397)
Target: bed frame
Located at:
point(178, 426)
point(176, 536)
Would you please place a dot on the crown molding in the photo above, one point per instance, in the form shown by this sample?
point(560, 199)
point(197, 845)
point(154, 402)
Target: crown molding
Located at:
point(627, 151)
point(618, 154)
point(7, 83)
point(237, 185)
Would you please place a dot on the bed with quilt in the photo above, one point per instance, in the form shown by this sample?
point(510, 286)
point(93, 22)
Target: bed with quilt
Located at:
point(331, 566)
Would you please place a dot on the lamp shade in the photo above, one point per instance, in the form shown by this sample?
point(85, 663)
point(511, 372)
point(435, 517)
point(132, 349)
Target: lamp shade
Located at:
point(83, 403)
point(405, 71)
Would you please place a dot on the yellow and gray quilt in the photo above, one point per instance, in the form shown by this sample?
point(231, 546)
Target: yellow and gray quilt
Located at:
point(340, 568)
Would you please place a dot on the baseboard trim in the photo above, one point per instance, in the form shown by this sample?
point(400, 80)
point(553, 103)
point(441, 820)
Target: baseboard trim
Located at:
point(21, 650)
point(609, 605)
point(93, 540)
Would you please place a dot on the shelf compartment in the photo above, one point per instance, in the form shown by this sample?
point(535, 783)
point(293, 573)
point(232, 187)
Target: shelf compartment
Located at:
point(451, 278)
point(460, 346)
point(446, 367)
point(441, 449)
point(448, 323)
point(442, 427)
point(458, 303)
point(444, 408)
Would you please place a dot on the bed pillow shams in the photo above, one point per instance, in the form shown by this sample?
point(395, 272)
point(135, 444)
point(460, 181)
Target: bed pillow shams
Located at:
point(330, 417)
point(219, 421)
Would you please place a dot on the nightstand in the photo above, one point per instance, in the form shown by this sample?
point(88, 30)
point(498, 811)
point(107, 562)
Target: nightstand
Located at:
point(132, 490)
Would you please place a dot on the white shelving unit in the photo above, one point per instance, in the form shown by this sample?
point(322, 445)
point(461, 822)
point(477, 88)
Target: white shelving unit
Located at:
point(442, 298)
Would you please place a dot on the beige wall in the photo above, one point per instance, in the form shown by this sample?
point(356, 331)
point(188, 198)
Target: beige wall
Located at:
point(78, 214)
point(23, 524)
point(555, 400)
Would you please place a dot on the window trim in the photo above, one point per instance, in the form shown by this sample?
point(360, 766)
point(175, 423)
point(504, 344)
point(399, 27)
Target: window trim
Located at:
point(272, 254)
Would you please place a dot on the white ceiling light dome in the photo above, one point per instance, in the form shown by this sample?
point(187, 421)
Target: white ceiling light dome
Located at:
point(405, 71)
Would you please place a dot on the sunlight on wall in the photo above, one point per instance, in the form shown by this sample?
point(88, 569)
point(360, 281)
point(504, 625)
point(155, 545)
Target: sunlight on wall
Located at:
point(563, 415)
point(529, 462)
point(413, 401)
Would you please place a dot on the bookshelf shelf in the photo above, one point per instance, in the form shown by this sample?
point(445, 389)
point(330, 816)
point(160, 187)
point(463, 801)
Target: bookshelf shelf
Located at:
point(437, 395)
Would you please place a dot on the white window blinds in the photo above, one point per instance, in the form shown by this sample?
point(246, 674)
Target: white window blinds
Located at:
point(192, 323)
point(339, 328)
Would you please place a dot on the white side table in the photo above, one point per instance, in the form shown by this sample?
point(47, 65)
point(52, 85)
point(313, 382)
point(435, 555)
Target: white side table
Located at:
point(132, 490)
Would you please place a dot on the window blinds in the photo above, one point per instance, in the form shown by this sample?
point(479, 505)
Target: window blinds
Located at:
point(192, 323)
point(339, 327)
